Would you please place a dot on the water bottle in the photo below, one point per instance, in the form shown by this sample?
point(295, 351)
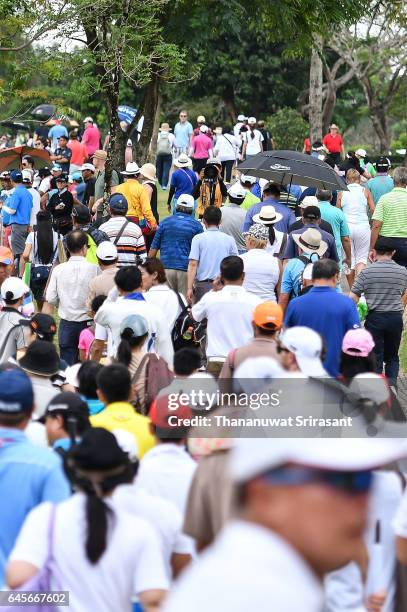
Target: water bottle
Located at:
point(362, 308)
point(187, 335)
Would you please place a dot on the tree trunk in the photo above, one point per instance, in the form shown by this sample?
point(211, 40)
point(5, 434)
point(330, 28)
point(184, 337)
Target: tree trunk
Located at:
point(153, 145)
point(315, 93)
point(150, 104)
point(378, 114)
point(117, 138)
point(228, 98)
point(329, 107)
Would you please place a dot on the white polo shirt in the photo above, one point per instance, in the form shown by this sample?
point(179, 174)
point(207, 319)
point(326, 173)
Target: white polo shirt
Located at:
point(112, 314)
point(132, 562)
point(165, 298)
point(247, 568)
point(162, 515)
point(261, 273)
point(229, 313)
point(167, 471)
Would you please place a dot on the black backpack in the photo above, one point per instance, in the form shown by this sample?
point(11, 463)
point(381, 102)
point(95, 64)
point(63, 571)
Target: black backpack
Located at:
point(97, 235)
point(186, 331)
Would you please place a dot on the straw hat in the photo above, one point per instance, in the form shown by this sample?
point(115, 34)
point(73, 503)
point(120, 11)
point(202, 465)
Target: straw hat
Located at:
point(132, 169)
point(148, 171)
point(267, 216)
point(99, 154)
point(310, 242)
point(183, 161)
point(165, 127)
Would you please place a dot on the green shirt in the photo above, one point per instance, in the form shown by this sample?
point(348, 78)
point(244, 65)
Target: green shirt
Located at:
point(336, 218)
point(391, 210)
point(249, 201)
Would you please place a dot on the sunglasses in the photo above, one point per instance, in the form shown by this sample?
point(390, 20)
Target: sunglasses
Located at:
point(37, 144)
point(347, 482)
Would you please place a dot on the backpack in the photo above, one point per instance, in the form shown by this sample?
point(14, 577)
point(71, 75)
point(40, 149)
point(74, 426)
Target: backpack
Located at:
point(163, 144)
point(185, 325)
point(157, 376)
point(97, 235)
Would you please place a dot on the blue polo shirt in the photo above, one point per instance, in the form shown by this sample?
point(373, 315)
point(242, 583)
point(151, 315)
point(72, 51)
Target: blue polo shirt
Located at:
point(281, 226)
point(184, 181)
point(29, 475)
point(173, 239)
point(290, 282)
point(329, 313)
point(209, 248)
point(21, 201)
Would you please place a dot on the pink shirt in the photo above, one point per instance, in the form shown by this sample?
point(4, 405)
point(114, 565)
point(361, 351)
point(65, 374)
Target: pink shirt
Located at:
point(85, 340)
point(91, 139)
point(201, 145)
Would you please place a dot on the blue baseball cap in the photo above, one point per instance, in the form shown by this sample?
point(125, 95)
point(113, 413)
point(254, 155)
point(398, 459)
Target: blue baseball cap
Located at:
point(16, 392)
point(56, 168)
point(118, 203)
point(16, 176)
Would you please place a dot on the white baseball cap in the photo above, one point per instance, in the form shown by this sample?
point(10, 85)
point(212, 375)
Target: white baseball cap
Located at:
point(241, 117)
point(306, 345)
point(246, 178)
point(13, 288)
point(252, 457)
point(251, 120)
point(27, 176)
point(204, 128)
point(90, 167)
point(88, 119)
point(186, 200)
point(309, 201)
point(106, 251)
point(360, 153)
point(371, 386)
point(237, 191)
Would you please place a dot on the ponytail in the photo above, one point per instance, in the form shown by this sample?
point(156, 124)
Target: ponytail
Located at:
point(128, 342)
point(252, 129)
point(97, 519)
point(272, 234)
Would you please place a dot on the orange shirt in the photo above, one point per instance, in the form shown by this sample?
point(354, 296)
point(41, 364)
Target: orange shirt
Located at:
point(79, 154)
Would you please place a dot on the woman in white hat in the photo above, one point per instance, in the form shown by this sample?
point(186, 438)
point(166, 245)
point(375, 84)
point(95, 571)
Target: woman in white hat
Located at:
point(262, 271)
point(183, 180)
point(165, 149)
point(252, 139)
point(277, 240)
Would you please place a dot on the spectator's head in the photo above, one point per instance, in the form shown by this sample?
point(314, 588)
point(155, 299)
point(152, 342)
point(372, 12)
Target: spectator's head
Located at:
point(323, 195)
point(118, 205)
point(81, 214)
point(383, 165)
point(99, 159)
point(357, 355)
point(271, 190)
point(257, 236)
point(97, 302)
point(66, 416)
point(77, 243)
point(13, 291)
point(247, 181)
point(334, 129)
point(311, 214)
point(5, 179)
point(16, 398)
point(27, 163)
point(88, 171)
point(232, 270)
point(267, 319)
point(133, 335)
point(113, 384)
point(183, 116)
point(88, 122)
point(162, 425)
point(186, 362)
point(212, 216)
point(40, 359)
point(16, 177)
point(352, 176)
point(62, 141)
point(325, 272)
point(384, 247)
point(301, 349)
point(106, 253)
point(62, 181)
point(185, 204)
point(237, 194)
point(400, 177)
point(6, 264)
point(128, 279)
point(42, 327)
point(73, 134)
point(152, 273)
point(87, 375)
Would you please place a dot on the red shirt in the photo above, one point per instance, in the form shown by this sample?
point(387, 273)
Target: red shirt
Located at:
point(91, 139)
point(307, 145)
point(79, 153)
point(333, 142)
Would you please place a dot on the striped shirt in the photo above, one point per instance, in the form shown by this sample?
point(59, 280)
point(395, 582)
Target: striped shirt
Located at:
point(383, 284)
point(130, 244)
point(391, 210)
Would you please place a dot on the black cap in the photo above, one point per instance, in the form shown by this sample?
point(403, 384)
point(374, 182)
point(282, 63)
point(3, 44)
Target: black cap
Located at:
point(312, 212)
point(99, 450)
point(40, 358)
point(62, 177)
point(43, 325)
point(43, 172)
point(81, 213)
point(383, 163)
point(69, 403)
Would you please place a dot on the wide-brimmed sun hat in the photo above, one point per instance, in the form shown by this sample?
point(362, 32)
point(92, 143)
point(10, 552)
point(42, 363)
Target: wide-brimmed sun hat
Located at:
point(183, 161)
point(310, 242)
point(148, 171)
point(267, 216)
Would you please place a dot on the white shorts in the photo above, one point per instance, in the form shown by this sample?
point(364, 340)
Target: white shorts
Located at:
point(359, 242)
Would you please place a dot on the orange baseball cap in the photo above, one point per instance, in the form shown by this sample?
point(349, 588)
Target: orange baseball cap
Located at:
point(268, 315)
point(6, 256)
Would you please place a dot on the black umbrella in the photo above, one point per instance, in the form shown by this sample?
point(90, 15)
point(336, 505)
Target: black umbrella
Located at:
point(287, 167)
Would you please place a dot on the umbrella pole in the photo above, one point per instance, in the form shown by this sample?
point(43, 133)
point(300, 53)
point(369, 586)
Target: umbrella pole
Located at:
point(289, 187)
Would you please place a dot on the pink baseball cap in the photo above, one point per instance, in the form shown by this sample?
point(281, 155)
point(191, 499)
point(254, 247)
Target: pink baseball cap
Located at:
point(358, 342)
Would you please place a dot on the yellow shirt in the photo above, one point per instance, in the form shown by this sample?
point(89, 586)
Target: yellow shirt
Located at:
point(137, 199)
point(122, 415)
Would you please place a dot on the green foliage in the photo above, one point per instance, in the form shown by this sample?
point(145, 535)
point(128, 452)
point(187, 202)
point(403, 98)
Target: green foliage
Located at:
point(288, 128)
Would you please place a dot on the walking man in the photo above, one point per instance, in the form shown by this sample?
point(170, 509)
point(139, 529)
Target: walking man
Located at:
point(18, 206)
